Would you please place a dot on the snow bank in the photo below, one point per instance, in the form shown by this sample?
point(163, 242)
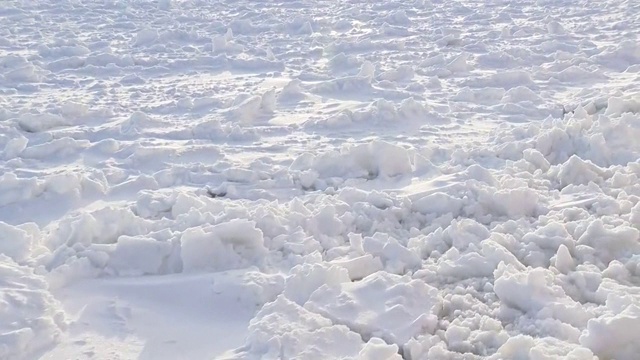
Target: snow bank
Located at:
point(380, 112)
point(138, 256)
point(611, 243)
point(620, 56)
point(291, 92)
point(371, 160)
point(229, 245)
point(18, 242)
point(253, 108)
point(14, 189)
point(603, 139)
point(119, 243)
point(31, 318)
point(102, 226)
point(28, 73)
point(527, 347)
point(342, 62)
point(345, 85)
point(613, 335)
point(506, 80)
point(399, 74)
point(42, 122)
point(473, 262)
point(371, 182)
point(361, 266)
point(536, 293)
point(224, 43)
point(383, 305)
point(285, 329)
point(305, 279)
point(216, 130)
point(251, 288)
point(14, 146)
point(510, 202)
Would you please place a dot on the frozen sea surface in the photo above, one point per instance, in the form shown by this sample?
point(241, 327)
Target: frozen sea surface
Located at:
point(319, 179)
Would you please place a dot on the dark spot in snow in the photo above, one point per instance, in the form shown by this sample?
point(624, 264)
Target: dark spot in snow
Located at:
point(214, 195)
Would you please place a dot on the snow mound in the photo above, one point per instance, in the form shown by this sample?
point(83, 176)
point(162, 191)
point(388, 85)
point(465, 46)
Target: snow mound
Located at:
point(31, 318)
point(305, 279)
point(399, 74)
point(19, 242)
point(102, 226)
point(14, 189)
point(284, 329)
point(370, 180)
point(133, 256)
point(611, 243)
point(391, 307)
point(291, 92)
point(42, 122)
point(229, 245)
point(613, 335)
point(224, 43)
point(534, 291)
point(345, 85)
point(438, 203)
point(370, 160)
point(252, 289)
point(380, 112)
point(253, 108)
point(527, 347)
point(602, 139)
point(473, 263)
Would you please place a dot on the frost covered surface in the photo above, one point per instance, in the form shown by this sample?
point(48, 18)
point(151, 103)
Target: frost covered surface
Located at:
point(319, 179)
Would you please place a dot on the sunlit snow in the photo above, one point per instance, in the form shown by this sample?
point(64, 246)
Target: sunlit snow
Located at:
point(315, 179)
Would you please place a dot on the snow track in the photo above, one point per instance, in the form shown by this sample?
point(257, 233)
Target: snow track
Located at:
point(319, 179)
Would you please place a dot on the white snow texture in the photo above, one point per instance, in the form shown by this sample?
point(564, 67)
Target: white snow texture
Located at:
point(314, 179)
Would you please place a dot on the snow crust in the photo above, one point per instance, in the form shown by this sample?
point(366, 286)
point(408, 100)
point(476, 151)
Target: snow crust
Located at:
point(319, 179)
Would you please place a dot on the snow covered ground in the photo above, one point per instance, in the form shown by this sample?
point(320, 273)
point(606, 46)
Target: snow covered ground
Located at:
point(319, 179)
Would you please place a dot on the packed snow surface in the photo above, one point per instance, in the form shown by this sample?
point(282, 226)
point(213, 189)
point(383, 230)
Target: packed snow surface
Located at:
point(312, 179)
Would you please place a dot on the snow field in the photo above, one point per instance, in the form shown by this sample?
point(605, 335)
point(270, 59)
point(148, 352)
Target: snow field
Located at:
point(318, 179)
